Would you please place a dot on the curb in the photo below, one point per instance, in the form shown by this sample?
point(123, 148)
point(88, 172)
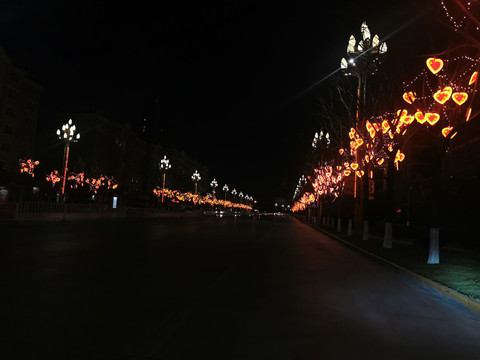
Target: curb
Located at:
point(465, 300)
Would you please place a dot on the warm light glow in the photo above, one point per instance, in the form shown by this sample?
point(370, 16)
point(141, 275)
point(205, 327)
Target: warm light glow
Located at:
point(473, 78)
point(380, 161)
point(354, 166)
point(460, 97)
point(28, 166)
point(420, 117)
point(385, 126)
point(370, 129)
point(409, 97)
point(446, 130)
point(469, 112)
point(442, 96)
point(341, 151)
point(434, 65)
point(432, 118)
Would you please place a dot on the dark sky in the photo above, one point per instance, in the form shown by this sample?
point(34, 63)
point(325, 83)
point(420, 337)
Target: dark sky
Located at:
point(217, 79)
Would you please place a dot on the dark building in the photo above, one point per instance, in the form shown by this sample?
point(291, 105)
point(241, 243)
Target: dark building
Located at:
point(19, 104)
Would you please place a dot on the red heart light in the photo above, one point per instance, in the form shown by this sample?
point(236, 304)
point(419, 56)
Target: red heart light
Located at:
point(409, 97)
point(354, 166)
point(432, 118)
point(446, 131)
point(420, 117)
point(434, 65)
point(442, 96)
point(460, 97)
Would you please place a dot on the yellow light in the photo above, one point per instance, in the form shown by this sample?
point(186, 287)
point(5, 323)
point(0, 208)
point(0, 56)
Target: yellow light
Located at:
point(434, 65)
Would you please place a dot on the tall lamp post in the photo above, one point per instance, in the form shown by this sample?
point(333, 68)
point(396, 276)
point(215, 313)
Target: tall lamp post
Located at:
point(214, 185)
point(196, 178)
point(67, 134)
point(364, 59)
point(164, 166)
point(225, 189)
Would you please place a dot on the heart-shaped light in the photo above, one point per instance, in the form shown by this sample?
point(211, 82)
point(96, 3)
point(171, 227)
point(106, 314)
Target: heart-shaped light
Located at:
point(399, 156)
point(434, 65)
point(473, 78)
point(420, 117)
point(408, 119)
point(385, 126)
point(442, 96)
point(354, 166)
point(409, 97)
point(380, 161)
point(446, 131)
point(460, 97)
point(432, 118)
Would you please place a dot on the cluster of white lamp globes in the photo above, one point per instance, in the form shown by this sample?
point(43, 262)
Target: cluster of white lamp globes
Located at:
point(355, 50)
point(319, 137)
point(68, 132)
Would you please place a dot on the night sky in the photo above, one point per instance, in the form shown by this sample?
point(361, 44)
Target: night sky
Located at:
point(224, 81)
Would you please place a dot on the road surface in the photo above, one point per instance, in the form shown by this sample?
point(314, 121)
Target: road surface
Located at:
point(213, 288)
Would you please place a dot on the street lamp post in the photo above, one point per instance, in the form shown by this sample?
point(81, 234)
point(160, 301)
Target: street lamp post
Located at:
point(214, 185)
point(364, 59)
point(196, 178)
point(164, 166)
point(67, 134)
point(225, 189)
point(234, 193)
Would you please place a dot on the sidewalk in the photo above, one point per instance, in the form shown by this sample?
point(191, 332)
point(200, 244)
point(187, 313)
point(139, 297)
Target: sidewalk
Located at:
point(457, 276)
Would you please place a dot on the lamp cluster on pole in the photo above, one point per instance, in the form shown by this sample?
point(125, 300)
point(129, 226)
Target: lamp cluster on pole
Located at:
point(67, 134)
point(164, 166)
point(196, 178)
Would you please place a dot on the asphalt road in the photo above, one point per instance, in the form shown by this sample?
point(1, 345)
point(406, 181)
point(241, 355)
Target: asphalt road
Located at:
point(213, 288)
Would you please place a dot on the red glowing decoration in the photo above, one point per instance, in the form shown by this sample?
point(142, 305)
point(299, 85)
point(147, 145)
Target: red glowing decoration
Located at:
point(434, 65)
point(442, 96)
point(370, 129)
point(409, 97)
point(420, 117)
point(469, 112)
point(354, 166)
point(53, 177)
point(460, 97)
point(432, 118)
point(446, 131)
point(28, 166)
point(473, 78)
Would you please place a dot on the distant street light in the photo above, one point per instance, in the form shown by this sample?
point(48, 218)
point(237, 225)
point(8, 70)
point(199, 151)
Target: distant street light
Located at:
point(240, 196)
point(196, 178)
point(67, 134)
point(225, 189)
point(234, 193)
point(164, 166)
point(214, 185)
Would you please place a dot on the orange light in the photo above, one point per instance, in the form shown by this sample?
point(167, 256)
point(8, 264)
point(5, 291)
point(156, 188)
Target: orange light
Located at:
point(469, 112)
point(380, 161)
point(473, 78)
point(434, 65)
point(446, 130)
point(347, 172)
point(460, 97)
point(341, 151)
point(385, 126)
point(432, 118)
point(399, 156)
point(420, 117)
point(409, 97)
point(442, 96)
point(370, 129)
point(408, 119)
point(352, 133)
point(354, 166)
